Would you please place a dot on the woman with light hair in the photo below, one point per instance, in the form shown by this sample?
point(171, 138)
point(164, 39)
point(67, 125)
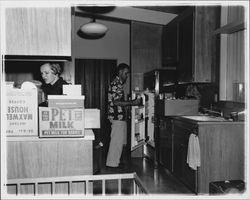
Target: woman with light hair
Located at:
point(53, 83)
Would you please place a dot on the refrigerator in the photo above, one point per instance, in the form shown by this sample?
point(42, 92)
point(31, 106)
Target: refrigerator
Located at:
point(156, 83)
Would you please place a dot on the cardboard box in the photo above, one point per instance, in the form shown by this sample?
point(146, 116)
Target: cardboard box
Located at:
point(20, 112)
point(61, 122)
point(92, 118)
point(64, 101)
point(177, 107)
point(72, 90)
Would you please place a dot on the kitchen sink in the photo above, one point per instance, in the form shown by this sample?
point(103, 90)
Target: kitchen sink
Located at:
point(206, 118)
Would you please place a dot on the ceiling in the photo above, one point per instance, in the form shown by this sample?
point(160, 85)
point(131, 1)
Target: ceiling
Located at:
point(167, 9)
point(161, 15)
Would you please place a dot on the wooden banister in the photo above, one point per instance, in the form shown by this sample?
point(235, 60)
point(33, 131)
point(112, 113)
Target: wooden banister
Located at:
point(87, 179)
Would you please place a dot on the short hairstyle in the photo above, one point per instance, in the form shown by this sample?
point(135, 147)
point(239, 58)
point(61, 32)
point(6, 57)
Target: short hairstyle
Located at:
point(55, 67)
point(123, 66)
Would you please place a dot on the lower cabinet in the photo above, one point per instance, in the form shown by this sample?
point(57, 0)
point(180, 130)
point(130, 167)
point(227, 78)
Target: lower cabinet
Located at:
point(181, 133)
point(221, 148)
point(166, 143)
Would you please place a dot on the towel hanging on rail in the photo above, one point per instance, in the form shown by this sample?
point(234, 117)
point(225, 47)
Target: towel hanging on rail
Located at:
point(193, 154)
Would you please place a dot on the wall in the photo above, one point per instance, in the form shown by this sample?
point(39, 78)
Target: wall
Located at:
point(145, 50)
point(233, 60)
point(114, 45)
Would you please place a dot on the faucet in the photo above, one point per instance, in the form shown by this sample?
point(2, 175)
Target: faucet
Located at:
point(214, 112)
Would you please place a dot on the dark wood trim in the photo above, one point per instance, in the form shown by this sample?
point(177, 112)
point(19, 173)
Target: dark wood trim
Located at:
point(130, 55)
point(102, 17)
point(128, 149)
point(183, 15)
point(37, 58)
point(109, 18)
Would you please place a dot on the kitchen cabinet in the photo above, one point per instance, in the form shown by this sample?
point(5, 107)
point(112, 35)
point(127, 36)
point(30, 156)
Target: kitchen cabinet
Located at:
point(170, 44)
point(166, 143)
point(38, 31)
point(188, 44)
point(181, 132)
point(185, 47)
point(222, 151)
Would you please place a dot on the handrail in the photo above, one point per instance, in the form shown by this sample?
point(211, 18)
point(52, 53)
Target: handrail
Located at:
point(88, 179)
point(140, 184)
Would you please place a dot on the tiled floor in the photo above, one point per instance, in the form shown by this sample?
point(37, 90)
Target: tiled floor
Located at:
point(157, 181)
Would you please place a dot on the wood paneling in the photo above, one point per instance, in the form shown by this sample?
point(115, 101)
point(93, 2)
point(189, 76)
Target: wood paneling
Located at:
point(48, 158)
point(195, 53)
point(232, 56)
point(186, 49)
point(38, 31)
point(145, 50)
point(235, 13)
point(222, 154)
point(145, 59)
point(236, 64)
point(170, 50)
point(205, 60)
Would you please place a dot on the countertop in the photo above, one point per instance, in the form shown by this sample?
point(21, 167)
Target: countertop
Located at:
point(89, 135)
point(205, 119)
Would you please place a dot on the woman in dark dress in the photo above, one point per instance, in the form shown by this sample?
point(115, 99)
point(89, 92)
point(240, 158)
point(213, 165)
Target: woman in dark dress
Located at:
point(53, 82)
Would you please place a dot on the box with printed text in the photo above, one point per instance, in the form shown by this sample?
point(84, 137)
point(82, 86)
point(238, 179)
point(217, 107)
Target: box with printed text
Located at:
point(61, 122)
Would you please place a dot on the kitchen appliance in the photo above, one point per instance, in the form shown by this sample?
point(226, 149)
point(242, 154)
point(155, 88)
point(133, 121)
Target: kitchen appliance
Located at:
point(156, 83)
point(226, 187)
point(157, 80)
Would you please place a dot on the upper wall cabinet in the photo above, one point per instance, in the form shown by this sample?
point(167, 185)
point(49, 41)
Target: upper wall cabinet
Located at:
point(188, 44)
point(38, 31)
point(170, 44)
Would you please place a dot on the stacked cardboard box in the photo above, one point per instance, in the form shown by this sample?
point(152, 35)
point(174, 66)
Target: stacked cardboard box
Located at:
point(64, 117)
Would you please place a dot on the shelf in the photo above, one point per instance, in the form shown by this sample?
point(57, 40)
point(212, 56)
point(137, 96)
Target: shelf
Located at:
point(139, 107)
point(140, 143)
point(151, 143)
point(231, 28)
point(139, 121)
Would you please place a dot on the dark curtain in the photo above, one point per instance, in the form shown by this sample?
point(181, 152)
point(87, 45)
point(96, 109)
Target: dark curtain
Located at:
point(95, 75)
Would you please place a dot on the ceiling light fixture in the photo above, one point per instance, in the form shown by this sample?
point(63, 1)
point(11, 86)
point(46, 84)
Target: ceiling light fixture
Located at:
point(94, 29)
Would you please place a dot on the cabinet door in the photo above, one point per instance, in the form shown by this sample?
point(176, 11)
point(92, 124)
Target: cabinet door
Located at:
point(137, 127)
point(181, 133)
point(206, 48)
point(185, 67)
point(170, 45)
point(38, 31)
point(166, 143)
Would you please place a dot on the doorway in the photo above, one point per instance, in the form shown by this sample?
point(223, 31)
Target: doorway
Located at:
point(95, 75)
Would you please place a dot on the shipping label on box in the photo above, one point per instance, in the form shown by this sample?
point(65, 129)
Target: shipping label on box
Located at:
point(20, 112)
point(61, 122)
point(64, 101)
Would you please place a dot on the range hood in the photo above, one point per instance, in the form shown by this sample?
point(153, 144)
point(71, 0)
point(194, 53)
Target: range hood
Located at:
point(36, 58)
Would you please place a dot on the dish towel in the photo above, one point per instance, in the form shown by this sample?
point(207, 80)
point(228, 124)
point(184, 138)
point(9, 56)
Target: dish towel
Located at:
point(193, 154)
